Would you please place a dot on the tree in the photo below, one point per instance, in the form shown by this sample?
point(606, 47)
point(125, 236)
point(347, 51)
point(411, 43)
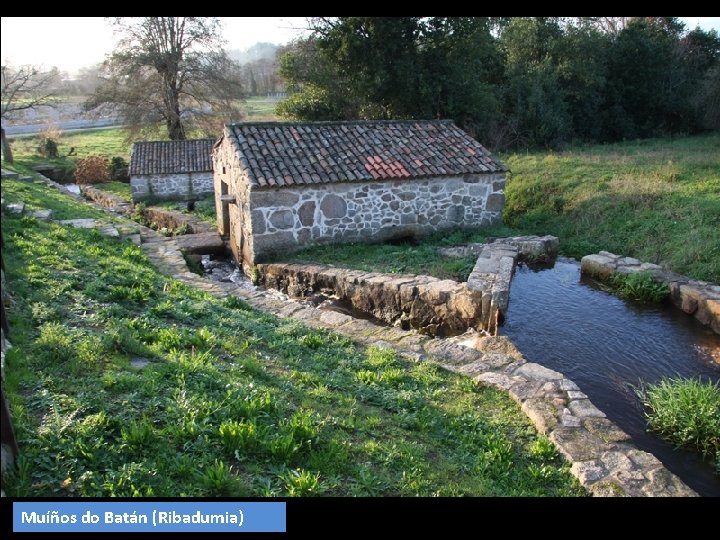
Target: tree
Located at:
point(392, 67)
point(24, 88)
point(171, 70)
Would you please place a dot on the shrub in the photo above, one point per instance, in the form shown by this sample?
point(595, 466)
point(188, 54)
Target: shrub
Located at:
point(119, 169)
point(686, 412)
point(640, 286)
point(91, 170)
point(49, 138)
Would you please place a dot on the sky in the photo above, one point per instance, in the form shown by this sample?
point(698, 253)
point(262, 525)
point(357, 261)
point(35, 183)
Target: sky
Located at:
point(84, 41)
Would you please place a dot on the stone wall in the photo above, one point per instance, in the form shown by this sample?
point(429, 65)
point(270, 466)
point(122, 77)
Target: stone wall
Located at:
point(432, 306)
point(290, 217)
point(184, 186)
point(697, 298)
point(105, 199)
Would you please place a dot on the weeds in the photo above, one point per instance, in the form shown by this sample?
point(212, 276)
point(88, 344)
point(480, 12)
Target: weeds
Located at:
point(639, 286)
point(686, 412)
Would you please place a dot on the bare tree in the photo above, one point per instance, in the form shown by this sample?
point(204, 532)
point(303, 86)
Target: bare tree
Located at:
point(171, 70)
point(23, 88)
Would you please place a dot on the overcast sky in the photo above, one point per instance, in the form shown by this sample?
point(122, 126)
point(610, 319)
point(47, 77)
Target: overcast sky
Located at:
point(74, 42)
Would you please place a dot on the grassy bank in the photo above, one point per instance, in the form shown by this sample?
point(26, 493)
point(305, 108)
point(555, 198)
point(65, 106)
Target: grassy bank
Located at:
point(657, 200)
point(231, 401)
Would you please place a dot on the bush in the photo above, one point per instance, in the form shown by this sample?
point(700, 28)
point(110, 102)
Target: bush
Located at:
point(119, 169)
point(639, 286)
point(49, 138)
point(91, 170)
point(686, 412)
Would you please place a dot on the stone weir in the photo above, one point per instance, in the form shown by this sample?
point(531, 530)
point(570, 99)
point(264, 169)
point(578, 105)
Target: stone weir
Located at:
point(436, 307)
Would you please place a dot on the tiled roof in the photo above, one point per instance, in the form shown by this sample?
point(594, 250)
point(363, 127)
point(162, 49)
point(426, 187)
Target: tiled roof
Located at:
point(169, 157)
point(280, 154)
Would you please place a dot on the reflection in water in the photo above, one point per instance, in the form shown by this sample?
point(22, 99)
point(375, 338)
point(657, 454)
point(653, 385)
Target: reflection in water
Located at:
point(609, 346)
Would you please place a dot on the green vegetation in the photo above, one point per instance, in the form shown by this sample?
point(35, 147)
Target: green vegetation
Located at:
point(514, 82)
point(687, 413)
point(261, 109)
point(204, 208)
point(37, 196)
point(656, 199)
point(121, 189)
point(405, 257)
point(101, 142)
point(233, 402)
point(639, 286)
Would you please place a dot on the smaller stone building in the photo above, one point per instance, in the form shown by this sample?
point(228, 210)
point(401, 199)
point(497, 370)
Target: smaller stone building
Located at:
point(281, 186)
point(171, 170)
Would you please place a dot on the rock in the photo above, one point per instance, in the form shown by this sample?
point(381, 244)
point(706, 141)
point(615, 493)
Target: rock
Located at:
point(44, 215)
point(542, 412)
point(583, 408)
point(597, 265)
point(85, 223)
point(588, 472)
point(201, 243)
point(577, 444)
point(495, 202)
point(498, 380)
point(257, 218)
point(279, 198)
point(537, 372)
point(663, 483)
point(333, 206)
point(138, 362)
point(282, 219)
point(306, 214)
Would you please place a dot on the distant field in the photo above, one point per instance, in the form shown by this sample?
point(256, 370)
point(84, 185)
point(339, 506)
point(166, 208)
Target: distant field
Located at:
point(102, 142)
point(111, 142)
point(261, 109)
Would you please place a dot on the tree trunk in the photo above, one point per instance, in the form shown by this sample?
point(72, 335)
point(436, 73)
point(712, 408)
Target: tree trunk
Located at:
point(176, 131)
point(6, 150)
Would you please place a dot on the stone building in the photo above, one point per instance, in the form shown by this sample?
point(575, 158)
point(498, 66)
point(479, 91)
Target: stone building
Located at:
point(281, 186)
point(171, 170)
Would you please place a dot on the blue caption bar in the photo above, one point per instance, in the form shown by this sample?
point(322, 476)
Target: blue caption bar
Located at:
point(149, 516)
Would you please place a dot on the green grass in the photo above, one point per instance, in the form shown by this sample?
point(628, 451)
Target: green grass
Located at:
point(102, 142)
point(121, 189)
point(657, 200)
point(204, 208)
point(261, 109)
point(405, 257)
point(234, 402)
point(39, 196)
point(686, 412)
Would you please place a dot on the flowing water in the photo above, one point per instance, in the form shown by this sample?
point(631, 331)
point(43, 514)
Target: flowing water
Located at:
point(610, 346)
